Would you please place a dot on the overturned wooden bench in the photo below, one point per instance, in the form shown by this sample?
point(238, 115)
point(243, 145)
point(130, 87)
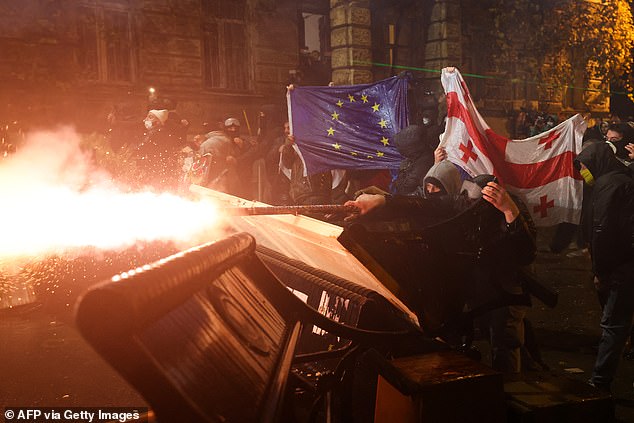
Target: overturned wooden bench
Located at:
point(208, 334)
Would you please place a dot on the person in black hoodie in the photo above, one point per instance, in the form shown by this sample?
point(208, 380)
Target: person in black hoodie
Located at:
point(612, 252)
point(418, 158)
point(620, 137)
point(506, 244)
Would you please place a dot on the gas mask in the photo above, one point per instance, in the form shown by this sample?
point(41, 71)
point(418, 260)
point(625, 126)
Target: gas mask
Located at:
point(148, 124)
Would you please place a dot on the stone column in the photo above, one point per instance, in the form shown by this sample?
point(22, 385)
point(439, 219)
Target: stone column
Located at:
point(351, 42)
point(444, 43)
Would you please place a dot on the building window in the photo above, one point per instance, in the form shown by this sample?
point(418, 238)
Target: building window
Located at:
point(105, 50)
point(225, 47)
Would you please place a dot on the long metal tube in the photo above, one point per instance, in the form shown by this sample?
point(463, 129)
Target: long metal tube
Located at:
point(269, 210)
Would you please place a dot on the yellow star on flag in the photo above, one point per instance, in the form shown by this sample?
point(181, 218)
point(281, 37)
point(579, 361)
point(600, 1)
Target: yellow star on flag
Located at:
point(383, 123)
point(364, 98)
point(337, 146)
point(335, 116)
point(331, 131)
point(351, 98)
point(385, 141)
point(380, 154)
point(375, 108)
point(354, 153)
point(339, 103)
point(370, 156)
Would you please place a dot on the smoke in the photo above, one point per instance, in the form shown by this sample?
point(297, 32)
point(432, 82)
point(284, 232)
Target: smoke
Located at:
point(50, 159)
point(55, 200)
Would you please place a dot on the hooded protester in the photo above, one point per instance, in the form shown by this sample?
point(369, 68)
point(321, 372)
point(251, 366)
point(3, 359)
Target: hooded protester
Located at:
point(443, 178)
point(506, 243)
point(506, 246)
point(620, 137)
point(611, 251)
point(418, 157)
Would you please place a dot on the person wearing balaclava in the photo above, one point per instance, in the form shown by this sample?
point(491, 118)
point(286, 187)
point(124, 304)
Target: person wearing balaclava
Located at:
point(620, 137)
point(428, 113)
point(507, 244)
point(418, 158)
point(611, 252)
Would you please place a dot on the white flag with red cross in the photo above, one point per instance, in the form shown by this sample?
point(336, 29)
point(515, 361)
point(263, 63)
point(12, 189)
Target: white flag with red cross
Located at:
point(539, 169)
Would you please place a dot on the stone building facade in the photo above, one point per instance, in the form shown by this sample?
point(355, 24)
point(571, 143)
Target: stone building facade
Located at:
point(374, 39)
point(77, 62)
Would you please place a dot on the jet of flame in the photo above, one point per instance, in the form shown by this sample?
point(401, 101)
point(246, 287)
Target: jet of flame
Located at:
point(54, 199)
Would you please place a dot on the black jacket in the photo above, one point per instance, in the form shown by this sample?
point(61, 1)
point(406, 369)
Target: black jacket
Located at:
point(504, 247)
point(418, 158)
point(612, 234)
point(306, 190)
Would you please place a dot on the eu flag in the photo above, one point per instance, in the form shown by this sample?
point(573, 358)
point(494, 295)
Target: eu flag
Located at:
point(349, 127)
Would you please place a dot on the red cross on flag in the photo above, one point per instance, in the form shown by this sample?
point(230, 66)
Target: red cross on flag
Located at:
point(538, 169)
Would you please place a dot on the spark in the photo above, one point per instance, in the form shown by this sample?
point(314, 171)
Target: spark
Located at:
point(54, 199)
point(66, 224)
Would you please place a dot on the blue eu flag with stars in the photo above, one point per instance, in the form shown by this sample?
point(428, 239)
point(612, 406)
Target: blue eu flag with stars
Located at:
point(349, 127)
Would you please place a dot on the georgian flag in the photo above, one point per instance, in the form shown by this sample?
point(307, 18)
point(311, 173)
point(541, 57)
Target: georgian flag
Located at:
point(539, 169)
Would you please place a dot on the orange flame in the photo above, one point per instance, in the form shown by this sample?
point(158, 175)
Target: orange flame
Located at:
point(47, 207)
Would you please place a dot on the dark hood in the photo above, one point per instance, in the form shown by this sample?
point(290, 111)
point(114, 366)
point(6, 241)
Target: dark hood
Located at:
point(411, 141)
point(447, 174)
point(600, 160)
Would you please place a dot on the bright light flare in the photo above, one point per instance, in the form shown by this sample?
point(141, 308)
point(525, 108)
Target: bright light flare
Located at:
point(53, 199)
point(51, 219)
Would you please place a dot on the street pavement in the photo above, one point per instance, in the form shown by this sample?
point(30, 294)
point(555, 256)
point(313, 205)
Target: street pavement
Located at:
point(569, 333)
point(45, 362)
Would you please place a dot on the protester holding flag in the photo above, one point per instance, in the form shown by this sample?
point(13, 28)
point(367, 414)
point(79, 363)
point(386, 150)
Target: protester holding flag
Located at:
point(349, 126)
point(506, 244)
point(418, 157)
point(612, 252)
point(305, 189)
point(539, 170)
point(338, 128)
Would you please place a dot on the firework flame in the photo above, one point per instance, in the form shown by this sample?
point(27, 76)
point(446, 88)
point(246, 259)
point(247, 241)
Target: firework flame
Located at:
point(54, 199)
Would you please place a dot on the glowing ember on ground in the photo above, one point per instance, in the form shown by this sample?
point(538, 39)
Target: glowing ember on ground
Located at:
point(54, 199)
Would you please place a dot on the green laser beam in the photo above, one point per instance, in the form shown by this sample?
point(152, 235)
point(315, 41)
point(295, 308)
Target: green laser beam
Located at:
point(475, 75)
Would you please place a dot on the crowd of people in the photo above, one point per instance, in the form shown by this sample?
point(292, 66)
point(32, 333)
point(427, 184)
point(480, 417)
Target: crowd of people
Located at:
point(261, 164)
point(606, 164)
point(267, 166)
point(529, 123)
